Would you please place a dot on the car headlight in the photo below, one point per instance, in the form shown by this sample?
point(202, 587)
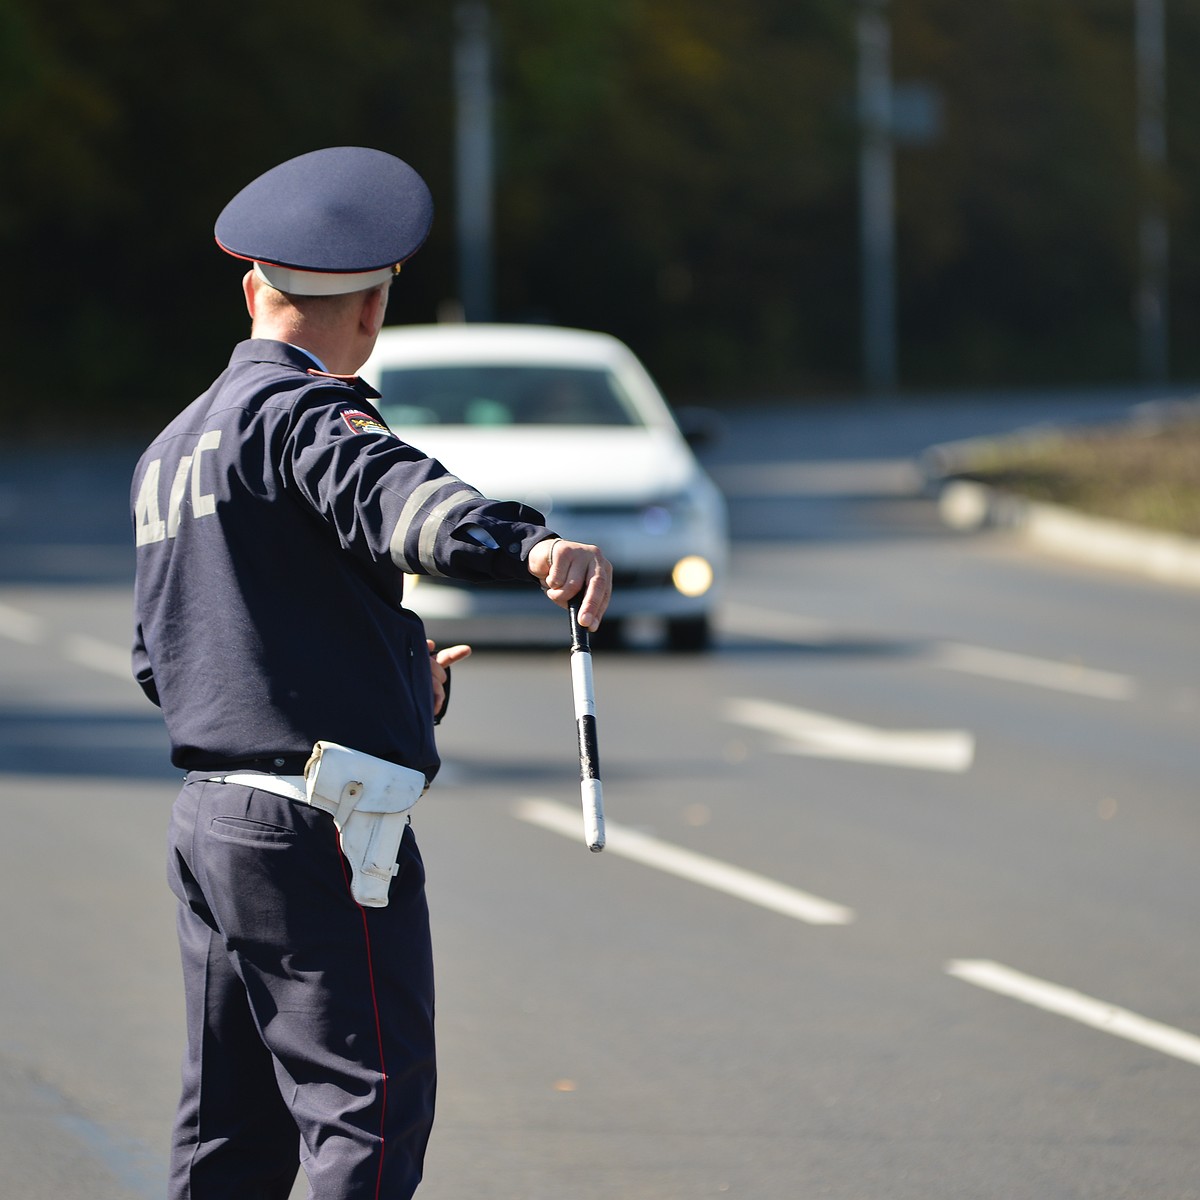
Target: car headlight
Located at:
point(664, 515)
point(657, 519)
point(692, 576)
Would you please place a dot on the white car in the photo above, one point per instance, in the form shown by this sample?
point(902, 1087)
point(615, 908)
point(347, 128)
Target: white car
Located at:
point(569, 422)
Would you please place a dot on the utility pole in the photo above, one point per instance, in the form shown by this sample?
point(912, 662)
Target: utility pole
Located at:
point(877, 233)
point(1153, 237)
point(474, 168)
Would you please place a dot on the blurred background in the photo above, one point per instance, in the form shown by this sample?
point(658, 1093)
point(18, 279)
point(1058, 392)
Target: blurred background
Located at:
point(900, 895)
point(768, 199)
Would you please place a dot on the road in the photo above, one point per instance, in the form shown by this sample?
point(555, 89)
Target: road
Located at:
point(899, 899)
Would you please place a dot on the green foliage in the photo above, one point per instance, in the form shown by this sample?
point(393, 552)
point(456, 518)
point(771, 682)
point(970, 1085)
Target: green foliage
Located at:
point(680, 172)
point(1018, 228)
point(682, 190)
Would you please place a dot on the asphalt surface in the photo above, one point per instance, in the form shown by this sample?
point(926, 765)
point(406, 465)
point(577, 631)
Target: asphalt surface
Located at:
point(899, 899)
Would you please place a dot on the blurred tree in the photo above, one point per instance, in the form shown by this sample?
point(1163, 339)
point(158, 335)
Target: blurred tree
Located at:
point(680, 172)
point(127, 130)
point(1182, 185)
point(1018, 226)
point(674, 169)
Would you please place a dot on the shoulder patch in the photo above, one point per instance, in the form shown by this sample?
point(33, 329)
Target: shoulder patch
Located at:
point(361, 422)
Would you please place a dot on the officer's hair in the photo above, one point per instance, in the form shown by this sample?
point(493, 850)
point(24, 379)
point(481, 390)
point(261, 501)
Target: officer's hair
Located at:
point(323, 304)
point(318, 308)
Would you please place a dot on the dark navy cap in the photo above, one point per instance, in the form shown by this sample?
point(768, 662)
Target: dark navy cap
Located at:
point(332, 221)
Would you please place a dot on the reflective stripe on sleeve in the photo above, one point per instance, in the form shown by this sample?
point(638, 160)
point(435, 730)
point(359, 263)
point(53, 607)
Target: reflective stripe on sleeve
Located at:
point(433, 526)
point(426, 525)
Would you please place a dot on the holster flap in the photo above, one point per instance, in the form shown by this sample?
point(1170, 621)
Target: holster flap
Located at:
point(367, 797)
point(386, 787)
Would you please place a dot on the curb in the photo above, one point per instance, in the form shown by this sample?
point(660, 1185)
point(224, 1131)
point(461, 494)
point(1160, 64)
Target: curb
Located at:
point(967, 505)
point(1165, 557)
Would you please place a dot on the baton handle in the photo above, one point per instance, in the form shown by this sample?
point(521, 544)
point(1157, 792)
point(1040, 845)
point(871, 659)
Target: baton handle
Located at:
point(590, 787)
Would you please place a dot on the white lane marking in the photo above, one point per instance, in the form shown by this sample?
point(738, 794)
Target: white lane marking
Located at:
point(76, 647)
point(951, 656)
point(1065, 1002)
point(98, 655)
point(820, 736)
point(1040, 672)
point(772, 625)
point(21, 626)
point(697, 868)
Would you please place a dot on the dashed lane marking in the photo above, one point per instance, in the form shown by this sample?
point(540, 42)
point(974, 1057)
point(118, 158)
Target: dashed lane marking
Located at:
point(1037, 672)
point(79, 648)
point(1073, 678)
point(817, 735)
point(686, 864)
point(21, 626)
point(99, 656)
point(1065, 1002)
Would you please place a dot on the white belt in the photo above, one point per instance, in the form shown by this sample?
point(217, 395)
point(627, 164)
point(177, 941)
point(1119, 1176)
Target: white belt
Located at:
point(290, 786)
point(368, 799)
point(344, 765)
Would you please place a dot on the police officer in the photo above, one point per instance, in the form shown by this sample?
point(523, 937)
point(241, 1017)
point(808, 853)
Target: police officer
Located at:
point(275, 519)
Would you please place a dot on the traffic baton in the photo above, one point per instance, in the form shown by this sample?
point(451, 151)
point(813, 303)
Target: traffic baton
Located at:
point(585, 719)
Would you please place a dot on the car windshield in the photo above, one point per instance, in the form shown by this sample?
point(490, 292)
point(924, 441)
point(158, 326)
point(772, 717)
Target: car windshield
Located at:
point(504, 394)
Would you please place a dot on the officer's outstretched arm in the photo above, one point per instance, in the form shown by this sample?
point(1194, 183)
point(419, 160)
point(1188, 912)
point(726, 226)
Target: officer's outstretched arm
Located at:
point(567, 569)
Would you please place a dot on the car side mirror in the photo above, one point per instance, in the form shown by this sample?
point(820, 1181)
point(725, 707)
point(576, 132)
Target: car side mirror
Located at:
point(701, 427)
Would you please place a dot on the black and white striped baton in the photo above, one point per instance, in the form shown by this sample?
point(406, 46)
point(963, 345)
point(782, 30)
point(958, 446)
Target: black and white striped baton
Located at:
point(585, 719)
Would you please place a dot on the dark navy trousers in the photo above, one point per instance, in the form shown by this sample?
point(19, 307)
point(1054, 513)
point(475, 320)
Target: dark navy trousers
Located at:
point(309, 1018)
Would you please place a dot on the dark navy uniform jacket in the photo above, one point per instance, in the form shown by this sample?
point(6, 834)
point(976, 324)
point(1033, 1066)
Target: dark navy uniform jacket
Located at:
point(275, 519)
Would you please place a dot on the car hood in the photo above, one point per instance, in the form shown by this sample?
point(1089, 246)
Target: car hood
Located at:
point(541, 464)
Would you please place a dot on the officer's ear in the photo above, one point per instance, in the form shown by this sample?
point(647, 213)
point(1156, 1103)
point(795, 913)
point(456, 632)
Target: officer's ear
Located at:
point(374, 309)
point(248, 290)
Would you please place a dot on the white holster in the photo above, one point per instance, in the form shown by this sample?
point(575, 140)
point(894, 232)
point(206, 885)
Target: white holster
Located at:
point(368, 798)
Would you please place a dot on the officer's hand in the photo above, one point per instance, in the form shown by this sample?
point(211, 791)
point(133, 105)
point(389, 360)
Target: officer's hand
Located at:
point(567, 569)
point(440, 662)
